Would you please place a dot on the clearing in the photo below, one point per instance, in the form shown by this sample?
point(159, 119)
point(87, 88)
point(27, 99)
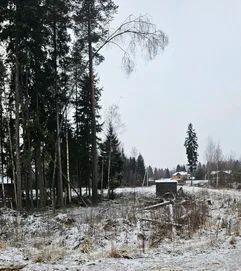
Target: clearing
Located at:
point(200, 231)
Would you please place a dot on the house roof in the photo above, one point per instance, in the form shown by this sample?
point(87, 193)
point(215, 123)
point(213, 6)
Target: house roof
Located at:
point(182, 173)
point(214, 172)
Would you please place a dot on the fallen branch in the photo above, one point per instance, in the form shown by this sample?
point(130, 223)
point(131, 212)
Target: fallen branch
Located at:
point(11, 267)
point(186, 215)
point(165, 203)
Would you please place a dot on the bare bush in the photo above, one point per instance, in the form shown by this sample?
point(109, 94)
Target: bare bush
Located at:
point(187, 219)
point(194, 218)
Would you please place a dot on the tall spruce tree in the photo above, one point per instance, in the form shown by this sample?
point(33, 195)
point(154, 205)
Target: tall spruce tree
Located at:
point(83, 132)
point(140, 168)
point(200, 172)
point(14, 33)
point(58, 22)
point(92, 18)
point(111, 155)
point(191, 146)
point(150, 172)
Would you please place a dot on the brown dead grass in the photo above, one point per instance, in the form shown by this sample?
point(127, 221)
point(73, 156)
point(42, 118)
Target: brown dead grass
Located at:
point(47, 254)
point(118, 253)
point(3, 245)
point(86, 246)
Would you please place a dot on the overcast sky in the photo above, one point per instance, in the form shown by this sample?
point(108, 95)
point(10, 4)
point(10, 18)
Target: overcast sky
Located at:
point(196, 79)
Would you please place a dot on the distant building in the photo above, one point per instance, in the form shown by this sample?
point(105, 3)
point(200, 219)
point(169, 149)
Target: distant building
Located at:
point(224, 172)
point(223, 177)
point(180, 176)
point(151, 182)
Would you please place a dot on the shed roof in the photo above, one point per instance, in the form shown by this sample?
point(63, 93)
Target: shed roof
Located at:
point(165, 181)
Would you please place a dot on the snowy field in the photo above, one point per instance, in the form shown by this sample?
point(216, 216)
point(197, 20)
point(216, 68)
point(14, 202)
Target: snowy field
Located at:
point(108, 237)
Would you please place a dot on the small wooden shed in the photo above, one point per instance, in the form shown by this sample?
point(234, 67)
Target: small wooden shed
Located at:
point(164, 186)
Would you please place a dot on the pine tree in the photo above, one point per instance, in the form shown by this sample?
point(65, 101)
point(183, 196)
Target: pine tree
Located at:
point(178, 168)
point(83, 133)
point(38, 147)
point(167, 173)
point(112, 157)
point(13, 32)
point(200, 172)
point(58, 22)
point(36, 38)
point(92, 18)
point(191, 146)
point(140, 168)
point(150, 172)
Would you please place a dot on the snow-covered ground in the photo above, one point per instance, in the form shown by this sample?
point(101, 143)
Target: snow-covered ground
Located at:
point(89, 238)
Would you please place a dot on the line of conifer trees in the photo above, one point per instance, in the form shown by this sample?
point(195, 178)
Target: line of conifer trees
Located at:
point(49, 50)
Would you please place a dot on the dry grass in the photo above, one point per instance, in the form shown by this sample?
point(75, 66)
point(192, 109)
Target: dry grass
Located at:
point(233, 241)
point(40, 243)
point(86, 246)
point(116, 253)
point(3, 245)
point(187, 219)
point(159, 233)
point(47, 254)
point(195, 218)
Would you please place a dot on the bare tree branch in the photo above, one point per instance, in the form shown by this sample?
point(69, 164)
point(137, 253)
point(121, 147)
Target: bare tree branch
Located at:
point(137, 32)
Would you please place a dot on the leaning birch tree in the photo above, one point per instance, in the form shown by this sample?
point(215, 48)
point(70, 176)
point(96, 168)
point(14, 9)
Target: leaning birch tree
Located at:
point(133, 33)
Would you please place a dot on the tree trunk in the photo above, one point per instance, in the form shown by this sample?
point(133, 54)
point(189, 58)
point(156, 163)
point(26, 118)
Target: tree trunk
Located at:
point(12, 161)
point(26, 168)
point(36, 183)
point(29, 166)
point(217, 181)
point(18, 163)
point(93, 113)
point(67, 161)
point(109, 164)
point(53, 181)
point(39, 172)
point(102, 176)
point(60, 181)
point(2, 155)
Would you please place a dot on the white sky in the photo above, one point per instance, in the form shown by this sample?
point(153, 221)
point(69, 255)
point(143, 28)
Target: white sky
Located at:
point(196, 79)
